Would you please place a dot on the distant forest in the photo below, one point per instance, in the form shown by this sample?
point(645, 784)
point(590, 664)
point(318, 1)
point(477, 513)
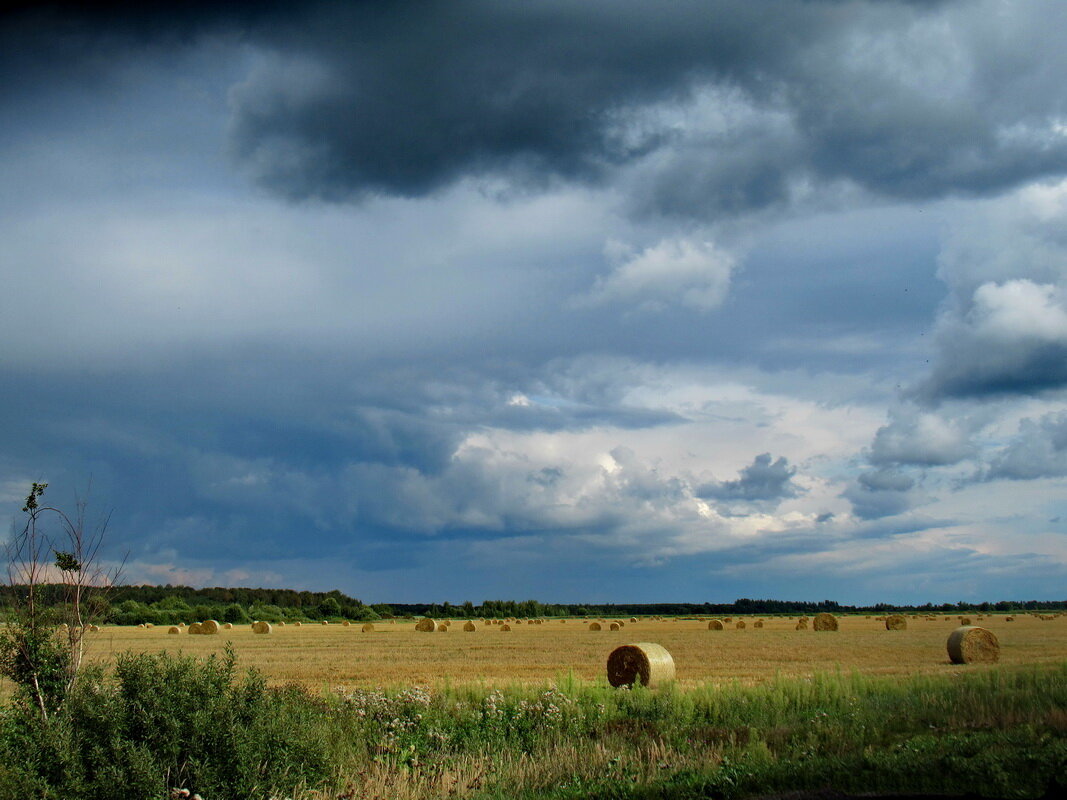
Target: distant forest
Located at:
point(169, 605)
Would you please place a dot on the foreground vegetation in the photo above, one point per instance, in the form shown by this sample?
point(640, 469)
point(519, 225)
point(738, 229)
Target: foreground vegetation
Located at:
point(157, 722)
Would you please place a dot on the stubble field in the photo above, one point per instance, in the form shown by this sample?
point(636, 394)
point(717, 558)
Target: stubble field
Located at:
point(327, 656)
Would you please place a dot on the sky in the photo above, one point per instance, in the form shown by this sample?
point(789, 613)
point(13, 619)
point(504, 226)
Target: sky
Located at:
point(573, 300)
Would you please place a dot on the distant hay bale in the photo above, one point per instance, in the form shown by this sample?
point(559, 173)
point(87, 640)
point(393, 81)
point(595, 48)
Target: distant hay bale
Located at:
point(141, 625)
point(970, 644)
point(368, 627)
point(174, 629)
point(209, 627)
point(298, 623)
point(282, 623)
point(594, 626)
point(715, 625)
point(1009, 619)
point(325, 622)
point(181, 624)
point(148, 624)
point(895, 622)
point(757, 624)
point(347, 624)
point(442, 627)
point(824, 622)
point(228, 626)
point(195, 629)
point(615, 627)
point(261, 627)
point(426, 625)
point(633, 619)
point(740, 625)
point(645, 663)
point(470, 626)
point(802, 625)
point(964, 621)
point(727, 620)
point(505, 627)
point(803, 619)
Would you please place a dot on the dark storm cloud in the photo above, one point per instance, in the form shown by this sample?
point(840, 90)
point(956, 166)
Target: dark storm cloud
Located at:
point(762, 480)
point(881, 493)
point(721, 107)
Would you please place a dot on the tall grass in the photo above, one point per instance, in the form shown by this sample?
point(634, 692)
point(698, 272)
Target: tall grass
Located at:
point(162, 722)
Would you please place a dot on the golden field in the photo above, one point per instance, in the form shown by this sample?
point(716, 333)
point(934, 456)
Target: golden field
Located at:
point(319, 656)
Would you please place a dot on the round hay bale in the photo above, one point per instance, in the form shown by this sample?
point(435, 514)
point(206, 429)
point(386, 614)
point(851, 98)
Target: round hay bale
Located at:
point(282, 623)
point(209, 627)
point(325, 622)
point(195, 629)
point(801, 625)
point(757, 624)
point(148, 624)
point(442, 628)
point(505, 627)
point(633, 619)
point(228, 626)
point(964, 621)
point(174, 629)
point(181, 624)
point(594, 626)
point(895, 622)
point(970, 644)
point(261, 627)
point(727, 620)
point(141, 625)
point(615, 627)
point(346, 624)
point(367, 627)
point(824, 622)
point(470, 626)
point(645, 663)
point(740, 625)
point(426, 625)
point(715, 625)
point(1009, 619)
point(298, 623)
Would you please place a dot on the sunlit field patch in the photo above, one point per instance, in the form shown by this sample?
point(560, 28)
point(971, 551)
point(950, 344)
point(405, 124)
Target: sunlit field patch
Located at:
point(395, 654)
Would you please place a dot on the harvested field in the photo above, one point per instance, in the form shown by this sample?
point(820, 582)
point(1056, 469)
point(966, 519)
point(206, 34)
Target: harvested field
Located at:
point(320, 656)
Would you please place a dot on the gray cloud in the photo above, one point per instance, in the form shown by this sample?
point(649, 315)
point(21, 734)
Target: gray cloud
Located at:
point(882, 493)
point(920, 438)
point(762, 480)
point(1039, 451)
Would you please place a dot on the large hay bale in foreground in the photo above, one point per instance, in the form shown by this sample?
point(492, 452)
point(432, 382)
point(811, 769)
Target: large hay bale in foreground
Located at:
point(594, 626)
point(174, 629)
point(426, 625)
point(470, 626)
point(209, 627)
point(261, 627)
point(973, 645)
point(715, 625)
point(824, 622)
point(895, 622)
point(645, 662)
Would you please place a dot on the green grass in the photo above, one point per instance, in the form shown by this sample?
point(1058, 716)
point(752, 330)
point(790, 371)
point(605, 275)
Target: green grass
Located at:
point(160, 721)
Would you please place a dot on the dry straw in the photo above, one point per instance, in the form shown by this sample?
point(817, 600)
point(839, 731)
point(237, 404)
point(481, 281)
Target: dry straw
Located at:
point(973, 645)
point(895, 622)
point(715, 625)
point(802, 625)
point(505, 627)
point(209, 627)
point(228, 626)
point(470, 626)
point(174, 629)
point(633, 619)
point(298, 623)
point(964, 621)
point(757, 624)
point(646, 663)
point(261, 627)
point(594, 626)
point(426, 625)
point(195, 629)
point(615, 627)
point(367, 627)
point(824, 622)
point(740, 625)
point(347, 624)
